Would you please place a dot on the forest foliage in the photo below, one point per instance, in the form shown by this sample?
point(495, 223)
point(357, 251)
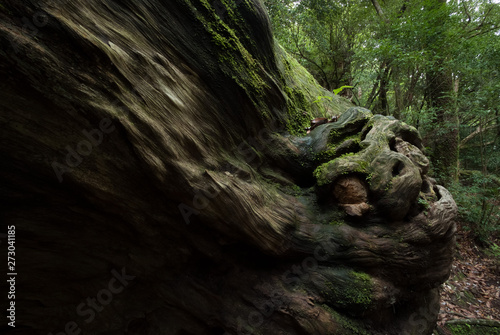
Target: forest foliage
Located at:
point(434, 64)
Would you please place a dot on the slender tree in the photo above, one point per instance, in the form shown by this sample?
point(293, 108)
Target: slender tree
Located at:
point(444, 139)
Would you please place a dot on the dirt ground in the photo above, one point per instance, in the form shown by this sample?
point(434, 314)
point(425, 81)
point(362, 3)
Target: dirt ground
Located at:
point(473, 289)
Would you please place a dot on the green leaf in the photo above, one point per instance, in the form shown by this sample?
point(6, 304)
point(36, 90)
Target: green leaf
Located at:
point(338, 90)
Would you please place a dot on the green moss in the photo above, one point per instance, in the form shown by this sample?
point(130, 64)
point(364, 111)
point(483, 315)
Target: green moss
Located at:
point(349, 154)
point(296, 189)
point(423, 202)
point(339, 139)
point(350, 326)
point(334, 136)
point(356, 289)
point(360, 291)
point(369, 177)
point(460, 329)
point(235, 60)
point(389, 185)
point(345, 164)
point(297, 104)
point(473, 329)
point(302, 92)
point(321, 174)
point(336, 145)
point(326, 155)
point(233, 45)
point(292, 190)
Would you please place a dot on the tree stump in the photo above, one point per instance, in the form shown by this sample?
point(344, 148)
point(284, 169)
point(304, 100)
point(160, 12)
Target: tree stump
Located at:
point(153, 187)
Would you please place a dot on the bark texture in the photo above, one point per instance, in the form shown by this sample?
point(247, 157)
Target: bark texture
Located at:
point(154, 188)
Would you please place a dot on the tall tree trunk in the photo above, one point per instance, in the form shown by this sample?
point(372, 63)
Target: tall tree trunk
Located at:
point(399, 97)
point(444, 140)
point(379, 91)
point(379, 10)
point(374, 92)
point(384, 83)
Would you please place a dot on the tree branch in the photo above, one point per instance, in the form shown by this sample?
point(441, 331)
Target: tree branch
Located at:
point(477, 145)
point(469, 19)
point(379, 10)
point(308, 59)
point(478, 28)
point(476, 132)
point(480, 32)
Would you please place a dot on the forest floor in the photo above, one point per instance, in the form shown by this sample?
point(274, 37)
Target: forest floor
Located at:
point(473, 289)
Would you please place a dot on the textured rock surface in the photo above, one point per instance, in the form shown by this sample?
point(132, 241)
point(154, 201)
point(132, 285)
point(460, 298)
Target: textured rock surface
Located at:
point(146, 165)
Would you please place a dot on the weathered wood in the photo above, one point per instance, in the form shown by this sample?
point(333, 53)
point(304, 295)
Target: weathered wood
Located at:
point(146, 166)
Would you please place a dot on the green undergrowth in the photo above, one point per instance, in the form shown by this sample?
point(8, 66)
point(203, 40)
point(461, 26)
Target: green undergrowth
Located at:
point(477, 196)
point(472, 329)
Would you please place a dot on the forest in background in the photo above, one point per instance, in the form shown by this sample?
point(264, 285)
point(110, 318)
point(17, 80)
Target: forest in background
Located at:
point(433, 64)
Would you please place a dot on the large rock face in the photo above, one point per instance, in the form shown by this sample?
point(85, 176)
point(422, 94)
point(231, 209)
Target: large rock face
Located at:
point(148, 168)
